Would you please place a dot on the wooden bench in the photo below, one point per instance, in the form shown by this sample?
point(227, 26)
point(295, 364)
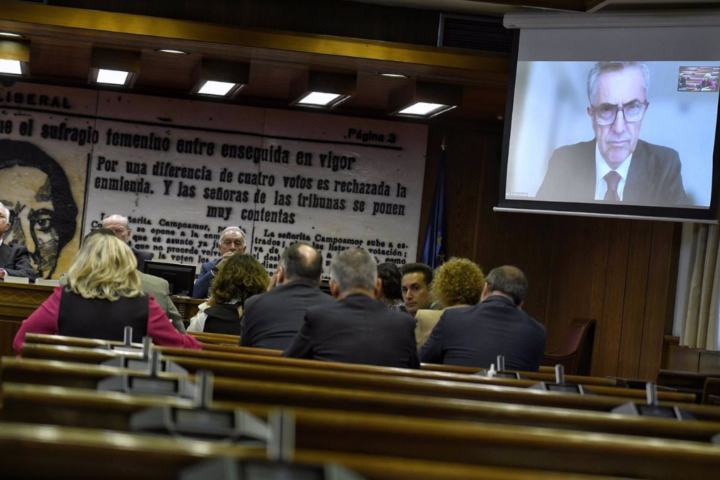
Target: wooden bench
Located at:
point(80, 454)
point(250, 355)
point(66, 406)
point(216, 338)
point(482, 444)
point(355, 397)
point(295, 371)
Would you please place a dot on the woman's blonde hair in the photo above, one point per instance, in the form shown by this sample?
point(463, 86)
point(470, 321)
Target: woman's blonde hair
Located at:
point(457, 282)
point(104, 267)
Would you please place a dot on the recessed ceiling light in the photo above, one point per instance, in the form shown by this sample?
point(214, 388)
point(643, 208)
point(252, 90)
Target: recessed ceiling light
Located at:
point(212, 87)
point(173, 52)
point(392, 75)
point(421, 108)
point(12, 67)
point(8, 34)
point(319, 99)
point(112, 77)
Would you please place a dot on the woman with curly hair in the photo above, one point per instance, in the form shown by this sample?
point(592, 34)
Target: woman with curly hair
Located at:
point(456, 283)
point(240, 277)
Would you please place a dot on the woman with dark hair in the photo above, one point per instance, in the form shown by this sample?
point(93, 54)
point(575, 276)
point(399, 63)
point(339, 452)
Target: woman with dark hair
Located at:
point(391, 294)
point(42, 209)
point(240, 277)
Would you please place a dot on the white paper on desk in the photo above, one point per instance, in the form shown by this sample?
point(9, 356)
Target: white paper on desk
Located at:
point(47, 282)
point(22, 280)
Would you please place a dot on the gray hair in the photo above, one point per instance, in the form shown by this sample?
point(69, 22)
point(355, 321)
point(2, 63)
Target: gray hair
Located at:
point(7, 212)
point(233, 229)
point(354, 269)
point(604, 67)
point(119, 217)
point(508, 280)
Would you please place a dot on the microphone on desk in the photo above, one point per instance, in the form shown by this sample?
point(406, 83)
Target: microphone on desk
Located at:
point(278, 466)
point(560, 385)
point(129, 362)
point(135, 383)
point(500, 371)
point(653, 407)
point(201, 421)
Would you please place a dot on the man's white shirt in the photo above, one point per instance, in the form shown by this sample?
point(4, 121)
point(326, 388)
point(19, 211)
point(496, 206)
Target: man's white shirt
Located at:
point(602, 169)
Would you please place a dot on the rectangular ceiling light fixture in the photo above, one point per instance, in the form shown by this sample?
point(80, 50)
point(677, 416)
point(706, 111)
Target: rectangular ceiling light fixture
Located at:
point(322, 89)
point(119, 68)
point(218, 78)
point(424, 100)
point(14, 57)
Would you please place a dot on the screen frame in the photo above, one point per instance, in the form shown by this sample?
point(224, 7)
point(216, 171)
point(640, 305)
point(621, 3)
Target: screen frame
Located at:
point(706, 215)
point(183, 268)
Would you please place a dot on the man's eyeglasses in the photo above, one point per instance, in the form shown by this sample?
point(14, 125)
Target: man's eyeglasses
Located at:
point(606, 113)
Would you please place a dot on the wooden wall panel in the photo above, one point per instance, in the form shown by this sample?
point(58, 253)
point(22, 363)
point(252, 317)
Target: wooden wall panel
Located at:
point(635, 297)
point(325, 17)
point(608, 331)
point(619, 272)
point(660, 303)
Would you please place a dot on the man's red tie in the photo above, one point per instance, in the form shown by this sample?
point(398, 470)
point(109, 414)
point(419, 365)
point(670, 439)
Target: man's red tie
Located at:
point(612, 179)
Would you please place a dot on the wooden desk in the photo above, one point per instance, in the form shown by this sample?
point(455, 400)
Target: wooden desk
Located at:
point(17, 302)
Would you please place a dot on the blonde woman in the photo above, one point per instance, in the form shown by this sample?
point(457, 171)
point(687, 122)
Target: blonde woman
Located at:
point(456, 283)
point(102, 297)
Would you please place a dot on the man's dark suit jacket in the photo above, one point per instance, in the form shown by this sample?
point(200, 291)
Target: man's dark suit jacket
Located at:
point(475, 336)
point(357, 329)
point(15, 259)
point(272, 320)
point(142, 256)
point(202, 284)
point(654, 177)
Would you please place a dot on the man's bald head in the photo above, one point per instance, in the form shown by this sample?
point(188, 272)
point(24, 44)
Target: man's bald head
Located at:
point(4, 219)
point(301, 262)
point(119, 225)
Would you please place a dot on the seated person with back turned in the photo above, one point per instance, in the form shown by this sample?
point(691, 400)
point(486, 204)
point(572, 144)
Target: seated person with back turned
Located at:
point(240, 277)
point(391, 293)
point(615, 166)
point(357, 328)
point(272, 320)
point(415, 286)
point(120, 227)
point(14, 258)
point(103, 296)
point(475, 336)
point(158, 287)
point(232, 241)
point(456, 283)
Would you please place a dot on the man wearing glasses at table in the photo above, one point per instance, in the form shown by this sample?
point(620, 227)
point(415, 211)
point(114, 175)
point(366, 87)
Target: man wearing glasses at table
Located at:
point(615, 167)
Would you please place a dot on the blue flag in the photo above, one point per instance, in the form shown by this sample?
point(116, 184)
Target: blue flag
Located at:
point(434, 249)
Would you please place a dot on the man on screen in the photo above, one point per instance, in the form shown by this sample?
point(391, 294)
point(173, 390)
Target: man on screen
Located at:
point(615, 167)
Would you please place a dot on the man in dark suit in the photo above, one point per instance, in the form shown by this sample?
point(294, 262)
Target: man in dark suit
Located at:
point(272, 320)
point(615, 167)
point(475, 336)
point(119, 225)
point(357, 328)
point(14, 258)
point(232, 241)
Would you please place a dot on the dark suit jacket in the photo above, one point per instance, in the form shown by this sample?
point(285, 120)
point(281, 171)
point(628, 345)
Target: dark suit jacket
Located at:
point(654, 177)
point(475, 336)
point(202, 284)
point(142, 256)
point(357, 329)
point(15, 259)
point(272, 320)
